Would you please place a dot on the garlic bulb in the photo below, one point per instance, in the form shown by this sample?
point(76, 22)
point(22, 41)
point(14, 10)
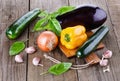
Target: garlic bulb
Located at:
point(103, 62)
point(30, 50)
point(107, 54)
point(36, 61)
point(19, 58)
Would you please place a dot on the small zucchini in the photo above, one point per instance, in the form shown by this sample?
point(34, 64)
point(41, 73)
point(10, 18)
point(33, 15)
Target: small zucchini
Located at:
point(16, 28)
point(91, 44)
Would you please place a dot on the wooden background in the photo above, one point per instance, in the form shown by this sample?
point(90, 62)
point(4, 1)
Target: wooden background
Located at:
point(10, 10)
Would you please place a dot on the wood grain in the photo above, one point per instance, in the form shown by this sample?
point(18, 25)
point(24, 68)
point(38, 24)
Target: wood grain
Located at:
point(34, 72)
point(96, 73)
point(10, 10)
point(114, 11)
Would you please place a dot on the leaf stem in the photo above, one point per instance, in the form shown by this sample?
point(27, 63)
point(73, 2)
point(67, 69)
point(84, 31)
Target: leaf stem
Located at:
point(44, 73)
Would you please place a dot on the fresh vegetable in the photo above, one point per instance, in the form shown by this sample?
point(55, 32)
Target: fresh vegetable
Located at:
point(47, 41)
point(30, 50)
point(107, 54)
point(67, 52)
point(36, 61)
point(103, 62)
point(48, 20)
point(72, 52)
point(16, 48)
point(73, 37)
point(19, 58)
point(91, 44)
point(60, 68)
point(16, 29)
point(63, 10)
point(89, 16)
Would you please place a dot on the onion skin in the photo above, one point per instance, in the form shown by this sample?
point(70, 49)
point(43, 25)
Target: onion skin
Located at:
point(47, 41)
point(89, 16)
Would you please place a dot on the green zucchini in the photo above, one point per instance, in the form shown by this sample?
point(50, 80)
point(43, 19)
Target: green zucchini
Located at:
point(91, 44)
point(16, 28)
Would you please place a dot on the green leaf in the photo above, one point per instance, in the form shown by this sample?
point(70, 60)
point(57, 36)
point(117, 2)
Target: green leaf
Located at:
point(55, 26)
point(16, 48)
point(54, 14)
point(60, 68)
point(43, 14)
point(50, 22)
point(40, 25)
point(62, 10)
point(65, 9)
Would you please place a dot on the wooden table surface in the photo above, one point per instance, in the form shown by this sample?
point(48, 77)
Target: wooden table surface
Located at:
point(10, 10)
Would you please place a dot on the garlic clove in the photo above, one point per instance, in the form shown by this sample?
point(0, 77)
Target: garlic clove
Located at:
point(19, 58)
point(107, 54)
point(107, 69)
point(36, 61)
point(30, 50)
point(103, 62)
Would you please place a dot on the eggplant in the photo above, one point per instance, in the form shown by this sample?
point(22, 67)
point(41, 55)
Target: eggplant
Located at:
point(89, 16)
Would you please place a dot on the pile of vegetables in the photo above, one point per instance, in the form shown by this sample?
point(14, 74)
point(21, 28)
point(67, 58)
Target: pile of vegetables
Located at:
point(67, 26)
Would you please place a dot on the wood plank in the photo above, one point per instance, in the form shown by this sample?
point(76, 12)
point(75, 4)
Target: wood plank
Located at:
point(92, 57)
point(114, 10)
point(34, 72)
point(10, 10)
point(95, 73)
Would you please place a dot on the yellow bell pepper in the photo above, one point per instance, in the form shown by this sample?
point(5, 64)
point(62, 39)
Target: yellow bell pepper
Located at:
point(73, 37)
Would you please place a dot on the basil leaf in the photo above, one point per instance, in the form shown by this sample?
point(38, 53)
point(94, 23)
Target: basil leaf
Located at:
point(60, 68)
point(55, 26)
point(50, 22)
point(43, 14)
point(62, 10)
point(54, 14)
point(40, 24)
point(65, 9)
point(16, 48)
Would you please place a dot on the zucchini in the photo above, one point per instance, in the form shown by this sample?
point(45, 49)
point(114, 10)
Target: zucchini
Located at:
point(91, 44)
point(16, 28)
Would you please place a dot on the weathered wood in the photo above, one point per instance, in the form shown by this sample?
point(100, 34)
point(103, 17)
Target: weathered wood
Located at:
point(114, 39)
point(96, 73)
point(10, 10)
point(34, 72)
point(92, 57)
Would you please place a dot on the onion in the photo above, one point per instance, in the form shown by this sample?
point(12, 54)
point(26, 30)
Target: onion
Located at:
point(47, 41)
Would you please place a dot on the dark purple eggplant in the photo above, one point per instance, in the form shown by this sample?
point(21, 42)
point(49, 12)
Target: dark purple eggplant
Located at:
point(89, 16)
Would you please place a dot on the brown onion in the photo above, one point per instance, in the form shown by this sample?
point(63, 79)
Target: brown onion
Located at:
point(47, 41)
